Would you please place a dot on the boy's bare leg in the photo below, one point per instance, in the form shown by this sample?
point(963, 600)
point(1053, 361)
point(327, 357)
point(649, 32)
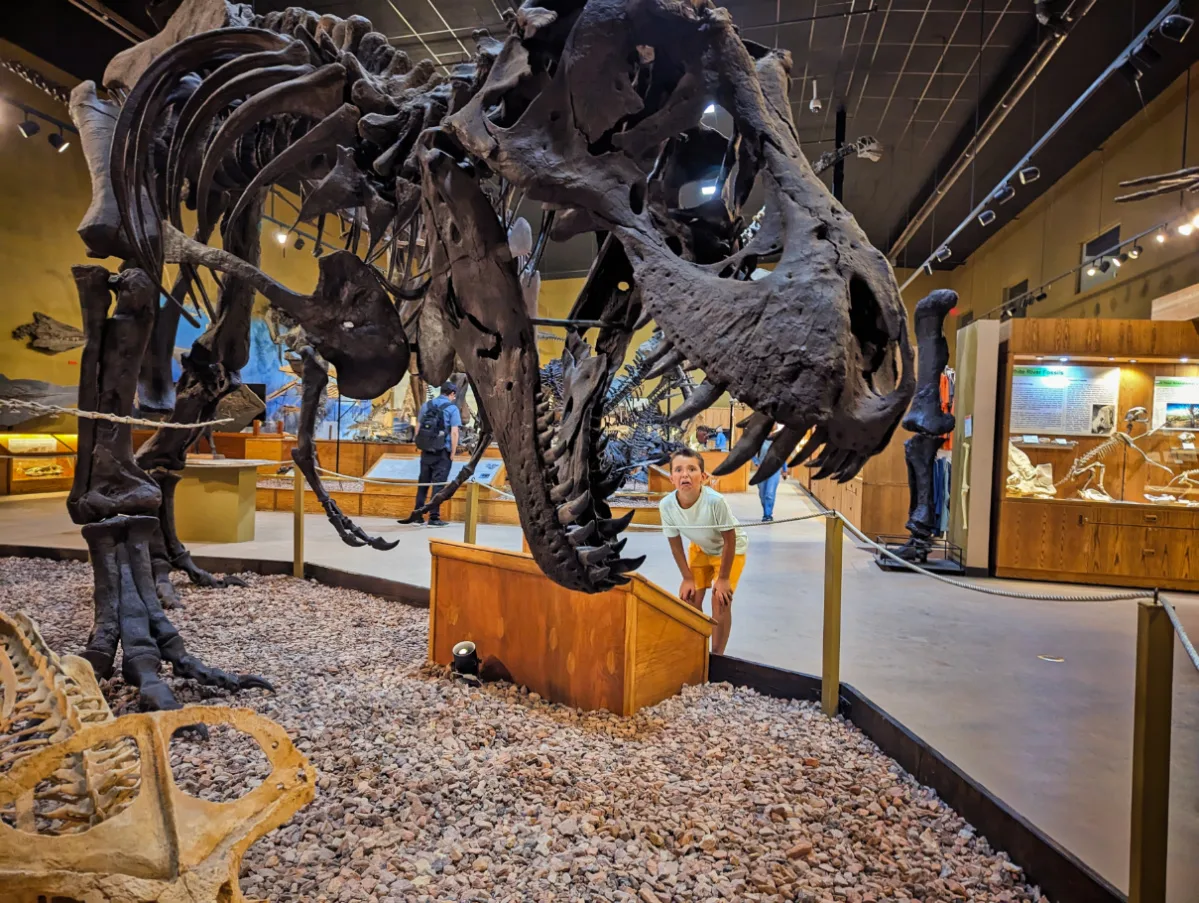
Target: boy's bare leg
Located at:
point(722, 613)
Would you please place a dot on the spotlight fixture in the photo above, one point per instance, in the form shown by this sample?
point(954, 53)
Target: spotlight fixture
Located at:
point(928, 267)
point(1135, 251)
point(943, 254)
point(708, 190)
point(1195, 220)
point(1146, 55)
point(1003, 193)
point(1186, 229)
point(1041, 296)
point(1160, 237)
point(299, 244)
point(986, 217)
point(1105, 265)
point(1029, 174)
point(1131, 71)
point(28, 128)
point(281, 237)
point(58, 141)
point(1118, 260)
point(466, 658)
point(1176, 27)
point(1091, 271)
point(709, 109)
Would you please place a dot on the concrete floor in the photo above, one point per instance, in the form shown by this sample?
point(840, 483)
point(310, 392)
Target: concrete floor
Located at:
point(960, 669)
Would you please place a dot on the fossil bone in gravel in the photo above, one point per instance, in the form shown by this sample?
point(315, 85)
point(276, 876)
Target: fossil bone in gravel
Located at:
point(89, 809)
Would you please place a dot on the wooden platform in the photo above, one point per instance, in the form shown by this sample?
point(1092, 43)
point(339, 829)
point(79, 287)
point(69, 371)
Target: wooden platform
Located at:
point(620, 650)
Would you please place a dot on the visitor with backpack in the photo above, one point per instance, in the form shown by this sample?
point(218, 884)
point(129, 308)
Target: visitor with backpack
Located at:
point(437, 426)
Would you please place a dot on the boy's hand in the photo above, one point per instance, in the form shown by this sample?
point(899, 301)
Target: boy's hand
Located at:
point(687, 591)
point(722, 592)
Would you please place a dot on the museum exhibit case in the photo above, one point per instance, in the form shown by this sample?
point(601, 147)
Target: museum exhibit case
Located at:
point(37, 462)
point(1097, 472)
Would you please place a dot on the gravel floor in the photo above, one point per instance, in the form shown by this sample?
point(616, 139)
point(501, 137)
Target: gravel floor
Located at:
point(432, 791)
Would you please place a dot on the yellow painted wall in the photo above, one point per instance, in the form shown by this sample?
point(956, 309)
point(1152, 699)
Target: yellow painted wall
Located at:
point(1046, 239)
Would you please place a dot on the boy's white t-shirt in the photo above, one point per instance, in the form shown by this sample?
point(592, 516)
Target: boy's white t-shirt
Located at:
point(698, 523)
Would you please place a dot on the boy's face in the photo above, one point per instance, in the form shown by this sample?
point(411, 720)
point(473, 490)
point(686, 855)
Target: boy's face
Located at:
point(686, 475)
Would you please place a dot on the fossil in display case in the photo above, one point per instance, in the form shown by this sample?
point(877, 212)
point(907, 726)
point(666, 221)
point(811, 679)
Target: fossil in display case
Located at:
point(42, 471)
point(1025, 480)
point(1091, 464)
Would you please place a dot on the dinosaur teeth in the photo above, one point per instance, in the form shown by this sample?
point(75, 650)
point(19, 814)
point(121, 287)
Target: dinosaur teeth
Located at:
point(570, 512)
point(610, 528)
point(592, 555)
point(626, 565)
point(776, 457)
point(561, 492)
point(665, 363)
point(580, 536)
point(701, 399)
point(660, 350)
point(809, 448)
point(598, 574)
point(756, 429)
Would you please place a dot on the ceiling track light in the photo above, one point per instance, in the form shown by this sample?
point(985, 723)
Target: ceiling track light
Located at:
point(299, 244)
point(1160, 237)
point(281, 237)
point(986, 217)
point(1003, 193)
point(1185, 229)
point(1176, 27)
point(1105, 265)
point(58, 141)
point(1135, 251)
point(28, 128)
point(1029, 174)
point(1118, 260)
point(943, 254)
point(1091, 271)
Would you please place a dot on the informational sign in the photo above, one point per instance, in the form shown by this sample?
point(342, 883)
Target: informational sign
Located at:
point(1176, 402)
point(24, 445)
point(1060, 399)
point(394, 467)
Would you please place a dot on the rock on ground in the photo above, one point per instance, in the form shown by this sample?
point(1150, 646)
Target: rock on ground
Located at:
point(430, 790)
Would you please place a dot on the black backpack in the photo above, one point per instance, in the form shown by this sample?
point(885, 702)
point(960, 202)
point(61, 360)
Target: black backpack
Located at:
point(431, 436)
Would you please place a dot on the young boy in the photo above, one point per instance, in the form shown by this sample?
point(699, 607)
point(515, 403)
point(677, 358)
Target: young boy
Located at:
point(717, 554)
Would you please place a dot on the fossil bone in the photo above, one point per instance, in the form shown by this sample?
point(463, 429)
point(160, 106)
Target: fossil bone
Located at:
point(434, 167)
point(89, 808)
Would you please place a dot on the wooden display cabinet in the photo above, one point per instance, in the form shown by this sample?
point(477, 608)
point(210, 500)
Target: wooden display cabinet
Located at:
point(1137, 536)
point(37, 462)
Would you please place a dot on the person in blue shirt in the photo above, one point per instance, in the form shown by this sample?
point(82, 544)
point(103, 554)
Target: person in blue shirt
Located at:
point(721, 441)
point(768, 489)
point(437, 427)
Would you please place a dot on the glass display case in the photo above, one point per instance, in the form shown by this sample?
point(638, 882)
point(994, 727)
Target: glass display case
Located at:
point(37, 462)
point(1107, 431)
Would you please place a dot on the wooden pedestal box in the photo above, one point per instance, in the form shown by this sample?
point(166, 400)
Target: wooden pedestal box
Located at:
point(620, 650)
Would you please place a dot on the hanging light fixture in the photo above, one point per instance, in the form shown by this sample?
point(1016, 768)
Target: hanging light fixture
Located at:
point(943, 254)
point(986, 217)
point(1003, 193)
point(1029, 174)
point(1091, 271)
point(1176, 27)
point(28, 128)
point(281, 237)
point(58, 141)
point(1185, 229)
point(1135, 251)
point(1160, 237)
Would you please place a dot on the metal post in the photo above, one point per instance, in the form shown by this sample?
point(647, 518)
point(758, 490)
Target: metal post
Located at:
point(1151, 754)
point(297, 529)
point(472, 512)
point(830, 671)
point(839, 166)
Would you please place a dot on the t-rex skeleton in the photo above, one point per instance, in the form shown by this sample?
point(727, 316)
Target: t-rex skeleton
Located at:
point(592, 110)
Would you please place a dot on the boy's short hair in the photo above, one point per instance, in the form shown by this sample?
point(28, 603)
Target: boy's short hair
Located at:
point(685, 452)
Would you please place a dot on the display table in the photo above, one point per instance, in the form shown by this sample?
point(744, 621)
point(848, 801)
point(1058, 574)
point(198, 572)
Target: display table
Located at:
point(620, 650)
point(215, 500)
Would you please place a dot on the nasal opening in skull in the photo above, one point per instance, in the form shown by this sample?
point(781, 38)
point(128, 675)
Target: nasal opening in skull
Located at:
point(867, 325)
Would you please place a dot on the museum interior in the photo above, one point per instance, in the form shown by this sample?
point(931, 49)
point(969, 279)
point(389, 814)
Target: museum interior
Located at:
point(599, 450)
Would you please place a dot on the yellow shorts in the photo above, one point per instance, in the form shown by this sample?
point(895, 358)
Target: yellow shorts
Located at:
point(705, 567)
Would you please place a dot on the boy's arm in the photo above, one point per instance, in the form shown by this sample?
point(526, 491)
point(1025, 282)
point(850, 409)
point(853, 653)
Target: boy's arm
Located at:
point(687, 590)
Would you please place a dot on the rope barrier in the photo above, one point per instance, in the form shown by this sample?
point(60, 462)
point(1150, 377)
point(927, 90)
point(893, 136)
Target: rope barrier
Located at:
point(1182, 634)
point(988, 590)
point(15, 404)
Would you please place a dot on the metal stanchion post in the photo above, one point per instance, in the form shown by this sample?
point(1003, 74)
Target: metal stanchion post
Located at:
point(1151, 754)
point(297, 530)
point(472, 512)
point(830, 672)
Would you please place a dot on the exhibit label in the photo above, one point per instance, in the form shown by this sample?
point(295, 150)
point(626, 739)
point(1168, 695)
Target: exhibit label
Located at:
point(1176, 402)
point(1064, 400)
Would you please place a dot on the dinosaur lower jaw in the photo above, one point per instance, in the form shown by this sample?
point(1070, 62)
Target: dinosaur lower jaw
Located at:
point(552, 457)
